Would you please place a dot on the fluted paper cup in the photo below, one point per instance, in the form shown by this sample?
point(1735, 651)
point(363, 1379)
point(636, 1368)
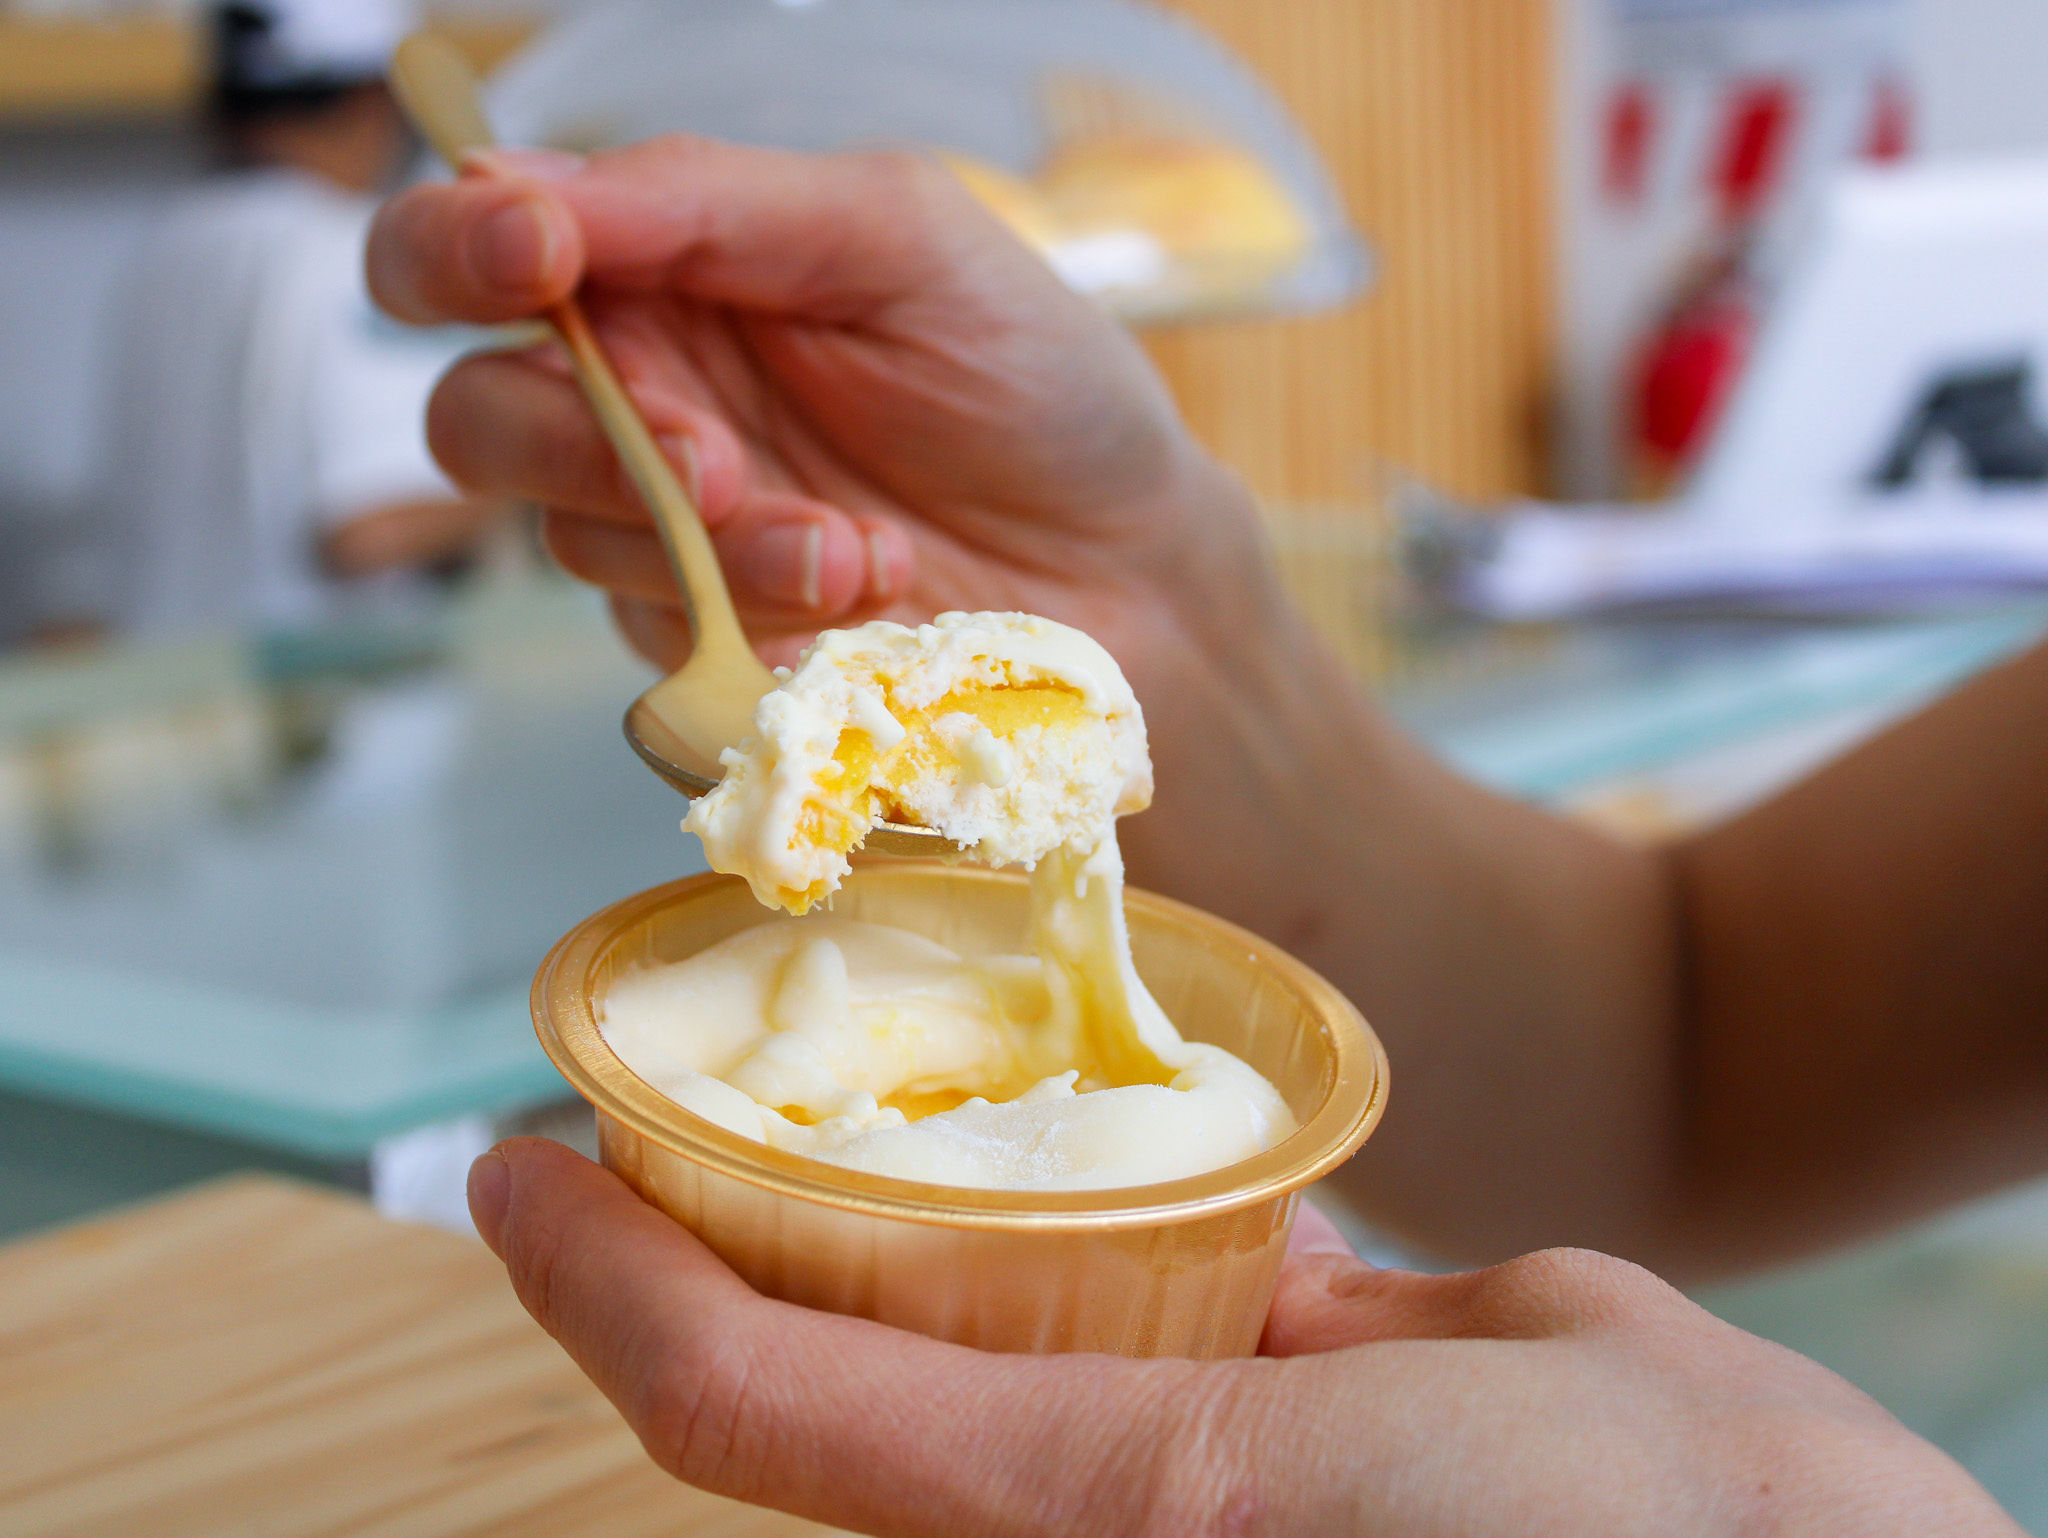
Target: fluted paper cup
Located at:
point(1183, 1268)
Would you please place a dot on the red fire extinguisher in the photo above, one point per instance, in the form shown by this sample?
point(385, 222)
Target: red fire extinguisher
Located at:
point(1688, 368)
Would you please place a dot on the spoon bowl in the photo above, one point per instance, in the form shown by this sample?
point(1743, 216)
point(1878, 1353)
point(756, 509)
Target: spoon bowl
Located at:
point(681, 725)
point(649, 734)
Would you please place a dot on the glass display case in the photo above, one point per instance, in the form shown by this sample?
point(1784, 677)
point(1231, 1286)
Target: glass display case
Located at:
point(1147, 165)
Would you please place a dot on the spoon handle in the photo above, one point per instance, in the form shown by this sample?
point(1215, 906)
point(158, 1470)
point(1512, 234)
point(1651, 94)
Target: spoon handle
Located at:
point(707, 603)
point(438, 90)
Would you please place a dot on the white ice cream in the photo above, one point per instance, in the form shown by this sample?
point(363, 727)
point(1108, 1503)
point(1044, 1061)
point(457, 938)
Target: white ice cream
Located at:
point(876, 1049)
point(1008, 733)
point(873, 1048)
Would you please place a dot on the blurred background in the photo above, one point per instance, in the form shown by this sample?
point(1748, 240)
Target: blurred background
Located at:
point(1644, 396)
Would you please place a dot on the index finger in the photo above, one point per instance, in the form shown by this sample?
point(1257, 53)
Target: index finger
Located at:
point(478, 249)
point(834, 238)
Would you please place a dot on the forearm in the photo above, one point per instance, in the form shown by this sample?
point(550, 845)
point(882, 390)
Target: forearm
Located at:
point(1870, 961)
point(1521, 969)
point(1817, 1021)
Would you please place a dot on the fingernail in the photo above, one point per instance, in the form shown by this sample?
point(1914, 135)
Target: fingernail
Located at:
point(786, 561)
point(681, 451)
point(513, 247)
point(490, 1191)
point(535, 165)
point(880, 581)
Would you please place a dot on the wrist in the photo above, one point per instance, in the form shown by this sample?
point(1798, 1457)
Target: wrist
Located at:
point(1261, 740)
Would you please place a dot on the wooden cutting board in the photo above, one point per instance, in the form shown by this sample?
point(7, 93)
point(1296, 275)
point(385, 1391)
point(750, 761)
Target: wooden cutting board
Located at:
point(259, 1359)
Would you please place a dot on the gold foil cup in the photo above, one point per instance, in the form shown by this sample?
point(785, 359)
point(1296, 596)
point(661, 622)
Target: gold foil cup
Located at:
point(1184, 1268)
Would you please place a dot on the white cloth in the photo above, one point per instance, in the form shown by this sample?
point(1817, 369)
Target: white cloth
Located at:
point(258, 401)
point(1920, 550)
point(342, 39)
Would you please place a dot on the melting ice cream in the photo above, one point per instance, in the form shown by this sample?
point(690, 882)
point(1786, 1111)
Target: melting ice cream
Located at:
point(878, 1049)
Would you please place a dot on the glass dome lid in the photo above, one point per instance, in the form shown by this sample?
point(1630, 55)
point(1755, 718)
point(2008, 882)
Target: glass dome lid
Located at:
point(1147, 164)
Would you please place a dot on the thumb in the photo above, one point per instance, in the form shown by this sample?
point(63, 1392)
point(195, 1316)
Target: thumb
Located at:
point(479, 249)
point(836, 1419)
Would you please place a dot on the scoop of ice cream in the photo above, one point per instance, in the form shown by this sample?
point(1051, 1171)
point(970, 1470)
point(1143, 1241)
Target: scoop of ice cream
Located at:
point(1010, 734)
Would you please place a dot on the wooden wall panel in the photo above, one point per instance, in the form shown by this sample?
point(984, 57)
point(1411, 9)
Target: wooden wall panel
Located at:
point(1435, 119)
point(132, 63)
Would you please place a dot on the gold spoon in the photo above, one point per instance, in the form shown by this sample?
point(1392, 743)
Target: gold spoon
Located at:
point(681, 725)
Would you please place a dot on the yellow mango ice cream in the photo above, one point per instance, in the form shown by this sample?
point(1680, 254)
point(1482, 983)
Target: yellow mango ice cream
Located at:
point(877, 1049)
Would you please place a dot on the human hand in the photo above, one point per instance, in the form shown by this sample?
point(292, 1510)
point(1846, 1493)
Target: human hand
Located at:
point(1564, 1393)
point(884, 403)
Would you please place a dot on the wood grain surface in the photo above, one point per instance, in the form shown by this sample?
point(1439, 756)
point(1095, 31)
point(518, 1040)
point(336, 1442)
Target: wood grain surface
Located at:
point(255, 1357)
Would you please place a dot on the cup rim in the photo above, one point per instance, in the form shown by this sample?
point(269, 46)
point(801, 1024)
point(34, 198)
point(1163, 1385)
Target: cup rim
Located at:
point(565, 1020)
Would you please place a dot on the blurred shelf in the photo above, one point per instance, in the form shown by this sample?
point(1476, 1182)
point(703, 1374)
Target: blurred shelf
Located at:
point(60, 1161)
point(320, 1084)
point(64, 70)
point(345, 956)
point(322, 982)
point(57, 70)
point(1613, 700)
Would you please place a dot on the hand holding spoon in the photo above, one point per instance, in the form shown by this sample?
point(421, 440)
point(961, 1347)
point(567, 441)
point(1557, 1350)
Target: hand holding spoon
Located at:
point(681, 725)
